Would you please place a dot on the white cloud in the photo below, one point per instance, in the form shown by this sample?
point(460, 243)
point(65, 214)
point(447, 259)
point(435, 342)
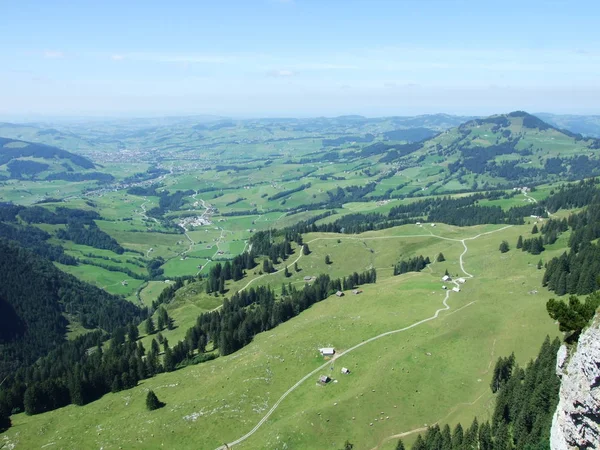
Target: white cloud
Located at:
point(197, 58)
point(281, 73)
point(53, 54)
point(117, 57)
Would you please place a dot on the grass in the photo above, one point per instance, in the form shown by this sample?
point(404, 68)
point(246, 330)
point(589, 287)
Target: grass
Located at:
point(218, 401)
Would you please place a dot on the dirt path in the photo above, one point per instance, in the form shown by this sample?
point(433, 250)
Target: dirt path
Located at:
point(365, 342)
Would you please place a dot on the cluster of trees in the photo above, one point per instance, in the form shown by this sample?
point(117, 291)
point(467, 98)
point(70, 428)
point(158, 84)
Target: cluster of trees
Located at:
point(276, 244)
point(168, 202)
point(234, 270)
point(415, 264)
point(89, 235)
point(34, 295)
point(575, 315)
point(525, 402)
point(254, 310)
point(534, 245)
point(283, 194)
point(163, 321)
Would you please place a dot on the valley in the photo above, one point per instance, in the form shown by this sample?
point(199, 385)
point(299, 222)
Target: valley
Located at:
point(198, 213)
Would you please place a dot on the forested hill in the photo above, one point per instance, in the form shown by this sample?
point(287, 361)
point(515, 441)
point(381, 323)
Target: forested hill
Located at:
point(29, 160)
point(503, 151)
point(34, 297)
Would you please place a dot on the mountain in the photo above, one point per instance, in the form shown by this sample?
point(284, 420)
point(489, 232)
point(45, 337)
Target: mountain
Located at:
point(584, 125)
point(35, 161)
point(498, 151)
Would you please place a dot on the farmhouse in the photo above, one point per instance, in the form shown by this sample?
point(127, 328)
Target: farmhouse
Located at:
point(433, 224)
point(444, 287)
point(345, 371)
point(446, 278)
point(327, 351)
point(456, 289)
point(339, 293)
point(324, 379)
point(461, 280)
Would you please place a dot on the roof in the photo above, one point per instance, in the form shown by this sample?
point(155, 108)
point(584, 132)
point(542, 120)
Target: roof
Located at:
point(339, 293)
point(327, 350)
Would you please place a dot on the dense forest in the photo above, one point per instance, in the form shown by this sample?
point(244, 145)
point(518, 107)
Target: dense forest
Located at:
point(34, 295)
point(576, 271)
point(525, 402)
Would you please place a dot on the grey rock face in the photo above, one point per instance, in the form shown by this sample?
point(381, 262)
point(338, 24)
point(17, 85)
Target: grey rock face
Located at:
point(576, 422)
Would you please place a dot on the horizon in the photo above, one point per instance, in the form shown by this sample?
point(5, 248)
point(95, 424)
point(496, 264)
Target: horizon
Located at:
point(50, 120)
point(298, 58)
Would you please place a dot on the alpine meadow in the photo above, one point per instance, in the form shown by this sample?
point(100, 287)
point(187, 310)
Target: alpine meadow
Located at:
point(299, 225)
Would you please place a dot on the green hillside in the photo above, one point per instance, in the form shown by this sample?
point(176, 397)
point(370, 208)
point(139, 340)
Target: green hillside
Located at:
point(24, 160)
point(499, 151)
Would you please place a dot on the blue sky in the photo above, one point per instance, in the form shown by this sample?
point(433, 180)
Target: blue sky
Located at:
point(298, 57)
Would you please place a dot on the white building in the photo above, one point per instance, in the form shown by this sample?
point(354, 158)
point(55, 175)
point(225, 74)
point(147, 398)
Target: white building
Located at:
point(327, 351)
point(446, 278)
point(461, 280)
point(456, 289)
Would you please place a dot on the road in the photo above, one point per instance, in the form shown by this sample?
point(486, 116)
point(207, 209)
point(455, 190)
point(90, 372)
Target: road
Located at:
point(367, 341)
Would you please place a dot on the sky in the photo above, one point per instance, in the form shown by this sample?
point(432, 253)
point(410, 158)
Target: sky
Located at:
point(297, 58)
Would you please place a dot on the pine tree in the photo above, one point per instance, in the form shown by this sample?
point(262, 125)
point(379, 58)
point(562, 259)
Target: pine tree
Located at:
point(169, 360)
point(348, 446)
point(504, 247)
point(540, 264)
point(296, 268)
point(305, 250)
point(327, 260)
point(132, 332)
point(419, 444)
point(534, 230)
point(150, 329)
point(440, 257)
point(287, 272)
point(400, 445)
point(457, 437)
point(152, 401)
point(520, 242)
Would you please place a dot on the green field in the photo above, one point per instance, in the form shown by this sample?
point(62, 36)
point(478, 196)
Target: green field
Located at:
point(436, 371)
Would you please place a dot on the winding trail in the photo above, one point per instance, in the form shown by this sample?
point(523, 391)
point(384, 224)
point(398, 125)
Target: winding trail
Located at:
point(367, 341)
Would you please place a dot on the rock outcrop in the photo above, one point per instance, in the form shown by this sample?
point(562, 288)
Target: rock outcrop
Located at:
point(576, 422)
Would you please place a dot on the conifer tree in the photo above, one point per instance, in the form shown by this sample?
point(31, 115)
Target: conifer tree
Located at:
point(152, 401)
point(440, 257)
point(534, 230)
point(150, 328)
point(520, 242)
point(305, 250)
point(504, 247)
point(400, 445)
point(327, 260)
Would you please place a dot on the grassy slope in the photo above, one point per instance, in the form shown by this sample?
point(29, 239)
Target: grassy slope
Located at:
point(221, 400)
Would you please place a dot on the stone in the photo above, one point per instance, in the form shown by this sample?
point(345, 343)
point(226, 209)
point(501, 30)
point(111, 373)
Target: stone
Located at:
point(576, 422)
